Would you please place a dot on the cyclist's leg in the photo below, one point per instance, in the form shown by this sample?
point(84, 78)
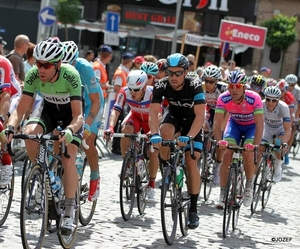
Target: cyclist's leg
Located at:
point(130, 124)
point(278, 158)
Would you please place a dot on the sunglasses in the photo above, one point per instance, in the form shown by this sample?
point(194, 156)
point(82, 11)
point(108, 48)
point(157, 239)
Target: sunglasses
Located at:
point(235, 86)
point(134, 90)
point(271, 100)
point(210, 81)
point(256, 88)
point(191, 63)
point(46, 65)
point(177, 73)
point(292, 84)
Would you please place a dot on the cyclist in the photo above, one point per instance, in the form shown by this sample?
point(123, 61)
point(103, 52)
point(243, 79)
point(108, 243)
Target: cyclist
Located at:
point(10, 92)
point(258, 84)
point(213, 88)
point(137, 94)
point(60, 86)
point(289, 99)
point(277, 123)
point(151, 69)
point(245, 118)
point(161, 64)
point(93, 109)
point(185, 114)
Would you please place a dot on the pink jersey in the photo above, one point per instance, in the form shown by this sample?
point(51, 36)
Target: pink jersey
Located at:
point(244, 112)
point(138, 109)
point(8, 81)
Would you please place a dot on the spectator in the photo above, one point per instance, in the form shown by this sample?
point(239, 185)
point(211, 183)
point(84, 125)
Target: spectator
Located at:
point(254, 72)
point(231, 65)
point(137, 62)
point(264, 71)
point(29, 58)
point(191, 59)
point(2, 44)
point(150, 58)
point(89, 56)
point(199, 71)
point(21, 44)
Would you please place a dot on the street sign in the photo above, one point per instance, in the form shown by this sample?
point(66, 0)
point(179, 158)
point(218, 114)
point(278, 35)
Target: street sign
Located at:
point(112, 22)
point(241, 33)
point(47, 16)
point(194, 40)
point(111, 38)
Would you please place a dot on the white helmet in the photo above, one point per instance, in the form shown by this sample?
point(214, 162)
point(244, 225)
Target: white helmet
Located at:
point(212, 72)
point(291, 79)
point(71, 52)
point(137, 79)
point(51, 50)
point(273, 92)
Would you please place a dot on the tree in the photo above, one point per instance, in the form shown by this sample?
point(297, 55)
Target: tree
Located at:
point(282, 33)
point(67, 12)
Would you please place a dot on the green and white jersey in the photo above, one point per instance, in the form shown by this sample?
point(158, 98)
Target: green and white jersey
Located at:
point(58, 94)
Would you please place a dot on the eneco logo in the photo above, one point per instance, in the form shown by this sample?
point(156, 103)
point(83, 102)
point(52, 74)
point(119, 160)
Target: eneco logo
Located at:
point(236, 33)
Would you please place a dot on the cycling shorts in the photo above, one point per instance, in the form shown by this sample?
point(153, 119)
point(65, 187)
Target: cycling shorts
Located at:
point(137, 123)
point(95, 125)
point(269, 134)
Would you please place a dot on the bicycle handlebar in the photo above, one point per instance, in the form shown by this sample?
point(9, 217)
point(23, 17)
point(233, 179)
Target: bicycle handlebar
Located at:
point(241, 149)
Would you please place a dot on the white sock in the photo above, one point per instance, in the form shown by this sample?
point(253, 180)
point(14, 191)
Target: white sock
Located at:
point(277, 165)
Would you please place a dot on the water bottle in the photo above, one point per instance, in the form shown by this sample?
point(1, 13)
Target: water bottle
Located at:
point(140, 166)
point(179, 176)
point(79, 164)
point(55, 184)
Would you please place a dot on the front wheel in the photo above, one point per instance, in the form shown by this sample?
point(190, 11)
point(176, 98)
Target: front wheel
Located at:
point(168, 205)
point(127, 186)
point(184, 197)
point(257, 187)
point(268, 174)
point(142, 183)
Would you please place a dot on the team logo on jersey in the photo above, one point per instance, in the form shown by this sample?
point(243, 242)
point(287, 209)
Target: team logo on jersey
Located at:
point(71, 79)
point(195, 83)
point(93, 80)
point(160, 84)
point(32, 78)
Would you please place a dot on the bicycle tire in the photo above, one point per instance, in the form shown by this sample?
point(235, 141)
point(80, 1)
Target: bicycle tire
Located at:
point(207, 179)
point(142, 184)
point(26, 168)
point(185, 203)
point(86, 208)
point(237, 195)
point(268, 174)
point(127, 185)
point(257, 187)
point(67, 241)
point(168, 203)
point(6, 196)
point(228, 202)
point(297, 146)
point(35, 207)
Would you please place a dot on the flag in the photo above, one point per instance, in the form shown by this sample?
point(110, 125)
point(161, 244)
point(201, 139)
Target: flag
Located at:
point(224, 49)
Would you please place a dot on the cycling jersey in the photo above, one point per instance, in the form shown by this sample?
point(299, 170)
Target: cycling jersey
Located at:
point(289, 100)
point(91, 85)
point(57, 95)
point(211, 98)
point(296, 94)
point(243, 113)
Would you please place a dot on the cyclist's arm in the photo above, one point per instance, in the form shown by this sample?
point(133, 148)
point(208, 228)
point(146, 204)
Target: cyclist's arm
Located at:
point(297, 114)
point(259, 128)
point(198, 121)
point(113, 117)
point(4, 103)
point(287, 132)
point(153, 121)
point(95, 107)
point(217, 127)
point(77, 121)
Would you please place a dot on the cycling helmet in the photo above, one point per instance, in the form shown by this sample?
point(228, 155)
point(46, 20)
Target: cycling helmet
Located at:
point(258, 80)
point(283, 85)
point(71, 52)
point(51, 50)
point(272, 92)
point(137, 79)
point(177, 60)
point(212, 72)
point(271, 82)
point(192, 75)
point(237, 76)
point(291, 79)
point(149, 68)
point(161, 64)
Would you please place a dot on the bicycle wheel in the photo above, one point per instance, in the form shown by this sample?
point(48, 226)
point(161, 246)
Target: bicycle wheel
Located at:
point(34, 209)
point(268, 173)
point(237, 195)
point(6, 196)
point(168, 205)
point(67, 240)
point(86, 208)
point(257, 187)
point(26, 168)
point(142, 184)
point(228, 202)
point(207, 176)
point(297, 145)
point(184, 198)
point(127, 185)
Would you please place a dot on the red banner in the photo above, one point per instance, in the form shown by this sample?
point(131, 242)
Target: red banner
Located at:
point(240, 33)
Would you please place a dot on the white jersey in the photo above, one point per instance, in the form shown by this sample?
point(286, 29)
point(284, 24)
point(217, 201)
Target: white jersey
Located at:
point(274, 119)
point(296, 94)
point(211, 98)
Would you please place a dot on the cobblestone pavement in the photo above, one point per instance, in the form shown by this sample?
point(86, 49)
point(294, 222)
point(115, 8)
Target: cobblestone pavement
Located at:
point(266, 229)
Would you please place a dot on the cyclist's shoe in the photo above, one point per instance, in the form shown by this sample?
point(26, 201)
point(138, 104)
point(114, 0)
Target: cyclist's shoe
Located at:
point(248, 197)
point(94, 190)
point(277, 175)
point(220, 204)
point(216, 179)
point(6, 172)
point(67, 226)
point(286, 159)
point(150, 195)
point(193, 222)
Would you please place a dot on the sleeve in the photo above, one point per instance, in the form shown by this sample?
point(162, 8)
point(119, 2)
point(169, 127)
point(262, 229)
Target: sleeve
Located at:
point(5, 82)
point(199, 96)
point(286, 117)
point(118, 81)
point(88, 79)
point(258, 106)
point(220, 107)
point(158, 91)
point(30, 84)
point(74, 86)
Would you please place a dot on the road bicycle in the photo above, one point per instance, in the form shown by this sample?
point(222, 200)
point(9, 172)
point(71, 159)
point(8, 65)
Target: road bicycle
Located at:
point(263, 181)
point(40, 203)
point(296, 142)
point(175, 199)
point(233, 198)
point(207, 162)
point(134, 177)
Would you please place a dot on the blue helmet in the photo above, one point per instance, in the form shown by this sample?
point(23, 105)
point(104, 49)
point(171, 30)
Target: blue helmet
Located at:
point(177, 60)
point(149, 68)
point(237, 76)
